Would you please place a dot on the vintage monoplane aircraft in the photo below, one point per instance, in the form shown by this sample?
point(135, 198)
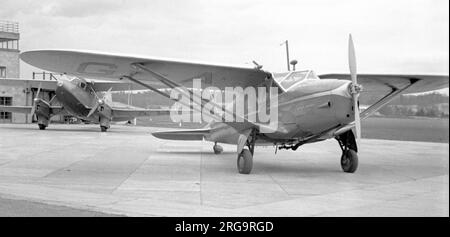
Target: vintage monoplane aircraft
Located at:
point(311, 108)
point(79, 97)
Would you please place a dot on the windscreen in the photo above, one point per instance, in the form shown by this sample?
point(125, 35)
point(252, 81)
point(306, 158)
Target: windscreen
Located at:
point(293, 79)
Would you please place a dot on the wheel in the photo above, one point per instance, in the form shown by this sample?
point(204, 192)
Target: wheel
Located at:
point(245, 162)
point(42, 126)
point(217, 149)
point(103, 128)
point(349, 161)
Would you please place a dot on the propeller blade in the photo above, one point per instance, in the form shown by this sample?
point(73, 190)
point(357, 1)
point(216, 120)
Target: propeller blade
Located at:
point(95, 94)
point(107, 97)
point(355, 87)
point(92, 111)
point(39, 90)
point(99, 101)
point(33, 109)
point(352, 59)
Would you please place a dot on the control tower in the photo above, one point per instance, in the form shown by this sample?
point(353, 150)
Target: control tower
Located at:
point(9, 49)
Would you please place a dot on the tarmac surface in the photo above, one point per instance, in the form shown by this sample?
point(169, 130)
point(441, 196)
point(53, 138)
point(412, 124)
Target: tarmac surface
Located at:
point(75, 170)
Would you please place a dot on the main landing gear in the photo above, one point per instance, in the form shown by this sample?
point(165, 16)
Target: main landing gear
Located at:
point(217, 149)
point(42, 122)
point(104, 123)
point(245, 162)
point(349, 157)
point(245, 158)
point(103, 128)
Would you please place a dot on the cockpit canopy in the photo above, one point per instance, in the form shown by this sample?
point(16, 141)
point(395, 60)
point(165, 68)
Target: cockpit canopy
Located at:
point(288, 80)
point(78, 82)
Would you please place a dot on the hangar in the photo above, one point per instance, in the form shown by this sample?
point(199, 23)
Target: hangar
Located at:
point(20, 91)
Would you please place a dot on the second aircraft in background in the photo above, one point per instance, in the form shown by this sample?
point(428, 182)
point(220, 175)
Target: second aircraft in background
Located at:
point(79, 98)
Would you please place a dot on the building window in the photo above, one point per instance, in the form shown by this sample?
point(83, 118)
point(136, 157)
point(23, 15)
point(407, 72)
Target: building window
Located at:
point(9, 44)
point(5, 116)
point(2, 72)
point(5, 100)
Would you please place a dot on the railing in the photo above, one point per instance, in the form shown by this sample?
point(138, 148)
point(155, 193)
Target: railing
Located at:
point(49, 75)
point(9, 26)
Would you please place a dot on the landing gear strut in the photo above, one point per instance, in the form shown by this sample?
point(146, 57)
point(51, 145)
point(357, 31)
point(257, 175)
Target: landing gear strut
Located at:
point(349, 157)
point(245, 158)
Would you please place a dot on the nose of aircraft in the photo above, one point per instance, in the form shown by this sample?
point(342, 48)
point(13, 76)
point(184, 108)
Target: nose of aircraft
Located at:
point(61, 87)
point(343, 104)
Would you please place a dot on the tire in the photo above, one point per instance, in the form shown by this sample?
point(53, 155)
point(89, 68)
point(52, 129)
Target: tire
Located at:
point(103, 128)
point(217, 149)
point(42, 126)
point(349, 161)
point(245, 162)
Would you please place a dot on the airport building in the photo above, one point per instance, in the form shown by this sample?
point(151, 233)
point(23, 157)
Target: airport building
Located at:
point(16, 90)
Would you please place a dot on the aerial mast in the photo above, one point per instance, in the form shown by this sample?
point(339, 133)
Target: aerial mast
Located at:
point(287, 54)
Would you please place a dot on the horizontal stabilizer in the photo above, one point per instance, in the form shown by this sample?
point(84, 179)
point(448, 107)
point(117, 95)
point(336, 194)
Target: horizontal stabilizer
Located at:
point(191, 135)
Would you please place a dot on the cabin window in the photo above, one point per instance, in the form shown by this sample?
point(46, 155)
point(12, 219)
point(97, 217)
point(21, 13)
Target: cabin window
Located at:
point(312, 75)
point(293, 78)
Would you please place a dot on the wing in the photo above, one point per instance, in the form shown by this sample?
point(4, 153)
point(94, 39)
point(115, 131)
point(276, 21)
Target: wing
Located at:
point(128, 113)
point(386, 82)
point(192, 135)
point(113, 67)
point(163, 72)
point(27, 109)
point(48, 85)
point(58, 110)
point(387, 87)
point(16, 109)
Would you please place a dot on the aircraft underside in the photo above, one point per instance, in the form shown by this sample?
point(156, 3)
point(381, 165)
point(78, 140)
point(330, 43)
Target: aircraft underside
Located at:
point(346, 141)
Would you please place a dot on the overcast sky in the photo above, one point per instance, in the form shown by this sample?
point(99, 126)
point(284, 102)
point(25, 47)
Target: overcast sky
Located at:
point(399, 36)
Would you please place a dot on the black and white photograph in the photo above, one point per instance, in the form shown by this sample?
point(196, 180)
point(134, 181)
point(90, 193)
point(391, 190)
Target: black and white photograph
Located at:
point(229, 109)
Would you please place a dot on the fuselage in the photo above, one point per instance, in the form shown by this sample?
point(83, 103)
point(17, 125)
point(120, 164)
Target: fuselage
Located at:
point(76, 97)
point(306, 108)
point(312, 107)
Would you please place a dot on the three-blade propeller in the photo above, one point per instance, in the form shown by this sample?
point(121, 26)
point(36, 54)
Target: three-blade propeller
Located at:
point(355, 87)
point(99, 102)
point(35, 100)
